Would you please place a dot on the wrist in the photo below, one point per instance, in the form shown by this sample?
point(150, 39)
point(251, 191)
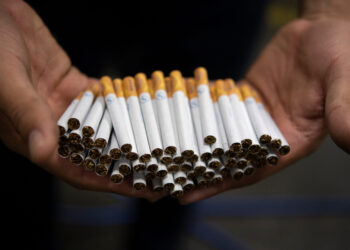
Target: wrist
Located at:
point(325, 9)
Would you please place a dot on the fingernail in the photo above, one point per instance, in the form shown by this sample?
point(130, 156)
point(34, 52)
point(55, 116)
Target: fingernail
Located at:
point(34, 143)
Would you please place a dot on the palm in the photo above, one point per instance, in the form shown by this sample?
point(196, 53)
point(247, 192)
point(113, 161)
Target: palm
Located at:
point(32, 47)
point(292, 75)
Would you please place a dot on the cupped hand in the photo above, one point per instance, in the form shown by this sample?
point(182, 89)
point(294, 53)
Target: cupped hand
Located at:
point(38, 82)
point(303, 77)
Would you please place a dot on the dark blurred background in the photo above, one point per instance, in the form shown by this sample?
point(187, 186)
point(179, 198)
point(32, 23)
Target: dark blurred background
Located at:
point(306, 206)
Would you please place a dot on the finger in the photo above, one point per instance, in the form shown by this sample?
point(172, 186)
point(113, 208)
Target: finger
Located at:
point(338, 105)
point(27, 112)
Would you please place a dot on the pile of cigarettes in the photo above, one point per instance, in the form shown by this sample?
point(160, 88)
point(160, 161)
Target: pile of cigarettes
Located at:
point(171, 133)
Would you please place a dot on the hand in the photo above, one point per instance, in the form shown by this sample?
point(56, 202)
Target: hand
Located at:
point(38, 82)
point(303, 77)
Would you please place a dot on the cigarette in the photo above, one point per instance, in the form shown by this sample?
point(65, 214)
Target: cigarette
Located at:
point(139, 180)
point(191, 175)
point(188, 186)
point(152, 165)
point(153, 135)
point(201, 181)
point(77, 148)
point(162, 170)
point(177, 192)
point(278, 141)
point(249, 170)
point(116, 114)
point(149, 175)
point(230, 162)
point(89, 163)
point(63, 120)
point(239, 110)
point(94, 116)
point(114, 151)
point(168, 182)
point(166, 159)
point(88, 142)
point(204, 149)
point(116, 176)
point(136, 119)
point(186, 166)
point(105, 157)
point(182, 121)
point(221, 145)
point(180, 177)
point(223, 110)
point(173, 167)
point(157, 184)
point(63, 139)
point(132, 155)
point(95, 153)
point(242, 163)
point(224, 171)
point(83, 106)
point(209, 173)
point(207, 115)
point(193, 139)
point(178, 157)
point(264, 151)
point(271, 158)
point(237, 173)
point(217, 178)
point(102, 169)
point(260, 127)
point(104, 130)
point(199, 167)
point(138, 166)
point(124, 166)
point(164, 114)
point(64, 151)
point(75, 136)
point(77, 158)
point(214, 163)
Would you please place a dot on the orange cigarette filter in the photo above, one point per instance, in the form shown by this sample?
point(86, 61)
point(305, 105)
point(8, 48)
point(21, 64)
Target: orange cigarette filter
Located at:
point(158, 80)
point(231, 88)
point(256, 95)
point(220, 88)
point(107, 85)
point(201, 76)
point(245, 91)
point(129, 87)
point(95, 88)
point(151, 87)
point(177, 84)
point(191, 88)
point(213, 93)
point(141, 83)
point(118, 87)
point(168, 87)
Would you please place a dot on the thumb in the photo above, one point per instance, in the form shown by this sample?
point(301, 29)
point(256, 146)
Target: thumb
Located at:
point(29, 115)
point(337, 106)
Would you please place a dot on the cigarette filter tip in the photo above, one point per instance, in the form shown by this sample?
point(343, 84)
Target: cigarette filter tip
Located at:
point(201, 76)
point(118, 87)
point(129, 87)
point(141, 83)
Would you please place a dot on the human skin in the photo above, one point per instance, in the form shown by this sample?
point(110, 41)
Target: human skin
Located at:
point(301, 76)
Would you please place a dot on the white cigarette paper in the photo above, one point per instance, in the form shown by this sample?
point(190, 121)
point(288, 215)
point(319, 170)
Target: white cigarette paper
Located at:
point(177, 192)
point(164, 114)
point(114, 149)
point(237, 173)
point(162, 170)
point(136, 119)
point(94, 117)
point(116, 176)
point(104, 130)
point(168, 182)
point(180, 177)
point(152, 165)
point(207, 115)
point(139, 180)
point(150, 122)
point(157, 184)
point(115, 113)
point(83, 107)
point(63, 120)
